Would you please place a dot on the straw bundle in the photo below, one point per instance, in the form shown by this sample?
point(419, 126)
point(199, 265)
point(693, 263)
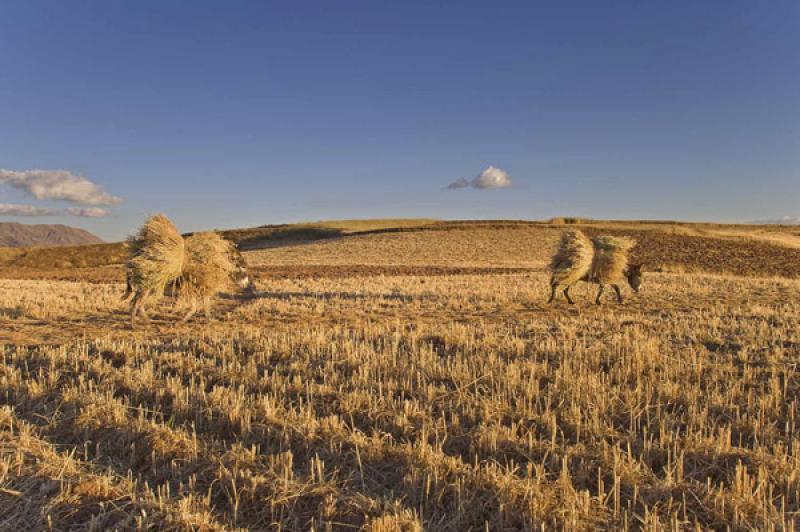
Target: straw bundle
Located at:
point(610, 259)
point(158, 257)
point(208, 267)
point(573, 260)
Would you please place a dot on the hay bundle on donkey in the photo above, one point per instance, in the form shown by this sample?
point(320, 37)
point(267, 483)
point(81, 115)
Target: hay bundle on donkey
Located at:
point(602, 260)
point(572, 261)
point(157, 260)
point(610, 265)
point(207, 270)
point(192, 270)
point(610, 259)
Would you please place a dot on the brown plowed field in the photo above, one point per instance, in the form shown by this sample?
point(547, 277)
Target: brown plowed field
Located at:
point(737, 256)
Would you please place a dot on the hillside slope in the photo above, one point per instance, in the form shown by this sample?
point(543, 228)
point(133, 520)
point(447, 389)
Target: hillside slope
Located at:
point(405, 247)
point(17, 235)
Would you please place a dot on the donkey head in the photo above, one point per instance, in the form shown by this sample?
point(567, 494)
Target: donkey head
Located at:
point(634, 276)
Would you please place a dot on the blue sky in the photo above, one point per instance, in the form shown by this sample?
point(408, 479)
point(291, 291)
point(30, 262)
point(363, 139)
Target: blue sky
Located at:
point(230, 114)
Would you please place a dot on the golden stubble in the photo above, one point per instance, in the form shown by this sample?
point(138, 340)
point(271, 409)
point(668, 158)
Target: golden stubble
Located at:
point(449, 402)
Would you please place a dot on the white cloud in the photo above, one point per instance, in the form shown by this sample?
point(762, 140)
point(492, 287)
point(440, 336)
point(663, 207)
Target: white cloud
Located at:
point(491, 177)
point(783, 220)
point(58, 185)
point(26, 210)
point(87, 212)
point(11, 209)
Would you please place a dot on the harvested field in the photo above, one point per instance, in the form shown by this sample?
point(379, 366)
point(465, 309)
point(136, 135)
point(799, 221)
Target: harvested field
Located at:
point(509, 247)
point(406, 381)
point(312, 271)
point(98, 274)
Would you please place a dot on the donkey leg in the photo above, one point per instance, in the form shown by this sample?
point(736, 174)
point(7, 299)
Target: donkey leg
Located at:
point(619, 293)
point(136, 306)
point(128, 287)
point(142, 310)
point(553, 287)
point(599, 293)
point(566, 294)
point(192, 310)
point(134, 309)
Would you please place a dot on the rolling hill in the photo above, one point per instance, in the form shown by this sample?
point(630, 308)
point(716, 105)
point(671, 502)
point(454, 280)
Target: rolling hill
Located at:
point(327, 248)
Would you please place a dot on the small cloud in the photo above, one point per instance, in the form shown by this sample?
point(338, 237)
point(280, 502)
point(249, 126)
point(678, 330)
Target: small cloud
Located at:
point(491, 177)
point(459, 183)
point(87, 212)
point(58, 185)
point(782, 220)
point(10, 209)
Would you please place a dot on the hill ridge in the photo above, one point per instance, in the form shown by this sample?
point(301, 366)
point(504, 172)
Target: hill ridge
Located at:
point(19, 235)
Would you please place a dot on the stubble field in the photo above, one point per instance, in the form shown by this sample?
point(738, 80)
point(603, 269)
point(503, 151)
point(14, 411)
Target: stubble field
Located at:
point(411, 380)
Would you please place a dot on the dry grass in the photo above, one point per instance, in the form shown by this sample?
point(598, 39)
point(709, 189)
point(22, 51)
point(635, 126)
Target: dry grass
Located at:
point(393, 398)
point(360, 226)
point(272, 235)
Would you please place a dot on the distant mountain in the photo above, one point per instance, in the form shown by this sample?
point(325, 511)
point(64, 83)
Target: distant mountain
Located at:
point(16, 235)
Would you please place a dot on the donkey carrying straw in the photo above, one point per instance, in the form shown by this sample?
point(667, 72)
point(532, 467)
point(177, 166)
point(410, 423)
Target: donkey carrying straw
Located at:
point(190, 270)
point(602, 260)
